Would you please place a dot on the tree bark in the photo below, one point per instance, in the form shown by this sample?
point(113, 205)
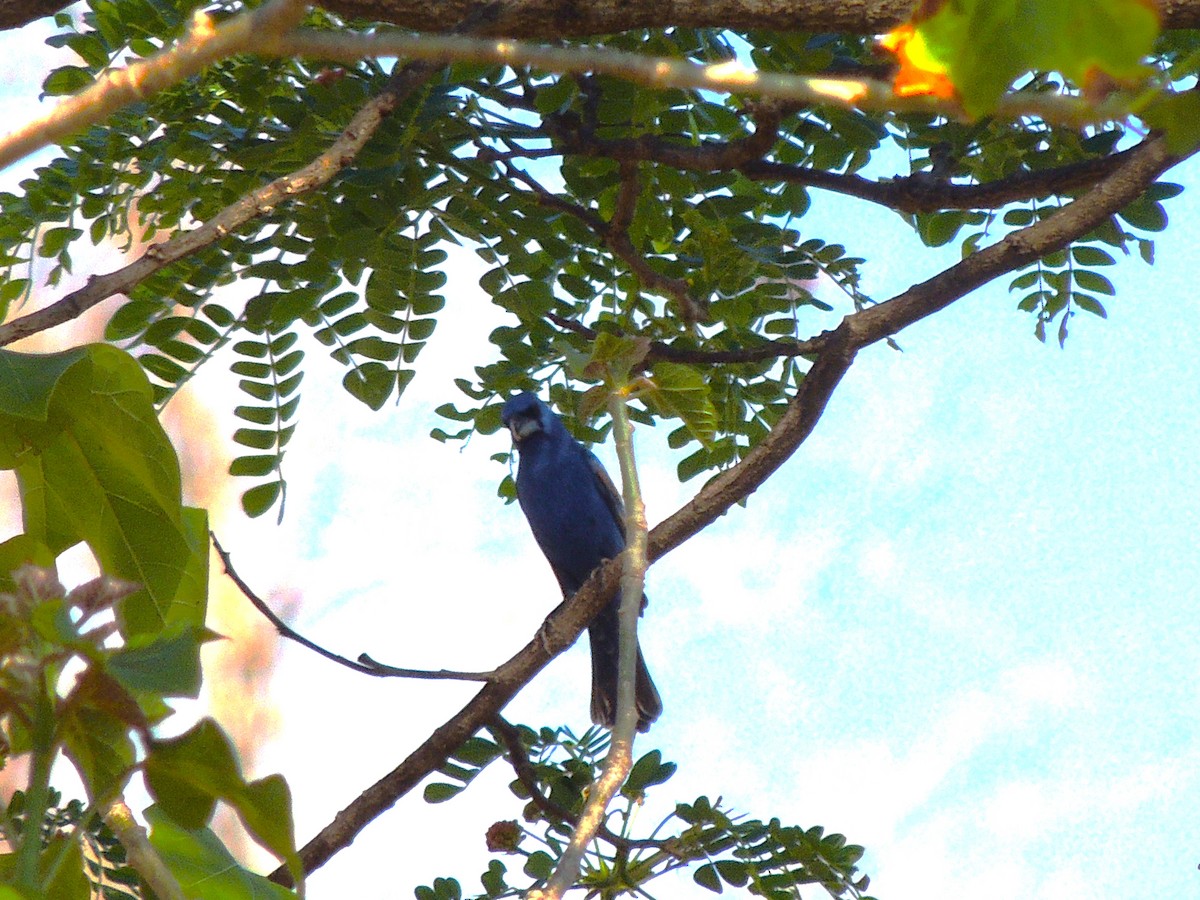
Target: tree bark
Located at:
point(580, 18)
point(546, 19)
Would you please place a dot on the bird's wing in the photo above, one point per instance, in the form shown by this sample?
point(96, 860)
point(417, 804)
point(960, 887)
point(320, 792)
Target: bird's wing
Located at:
point(608, 490)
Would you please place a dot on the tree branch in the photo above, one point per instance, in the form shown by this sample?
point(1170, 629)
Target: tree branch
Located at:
point(911, 194)
point(558, 632)
point(669, 72)
point(205, 43)
point(556, 18)
point(259, 202)
point(837, 352)
point(619, 759)
point(17, 13)
point(660, 351)
point(1139, 170)
point(365, 664)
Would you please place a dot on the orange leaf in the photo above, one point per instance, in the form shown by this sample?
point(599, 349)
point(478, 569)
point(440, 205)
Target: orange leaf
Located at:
point(919, 73)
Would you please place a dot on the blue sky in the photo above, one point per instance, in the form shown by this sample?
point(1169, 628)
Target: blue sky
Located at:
point(959, 626)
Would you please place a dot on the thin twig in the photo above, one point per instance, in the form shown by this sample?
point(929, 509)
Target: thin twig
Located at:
point(915, 193)
point(365, 664)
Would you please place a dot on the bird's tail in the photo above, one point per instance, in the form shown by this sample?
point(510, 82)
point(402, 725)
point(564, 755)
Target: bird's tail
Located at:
point(603, 635)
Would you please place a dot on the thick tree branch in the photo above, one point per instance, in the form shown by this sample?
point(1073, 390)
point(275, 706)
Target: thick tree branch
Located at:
point(835, 354)
point(554, 18)
point(16, 13)
point(580, 18)
point(560, 631)
point(662, 72)
point(1139, 170)
point(205, 43)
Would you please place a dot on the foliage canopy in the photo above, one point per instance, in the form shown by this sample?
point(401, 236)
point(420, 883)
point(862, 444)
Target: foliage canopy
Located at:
point(645, 236)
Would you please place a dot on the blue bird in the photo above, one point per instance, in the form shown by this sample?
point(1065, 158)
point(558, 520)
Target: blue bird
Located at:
point(576, 516)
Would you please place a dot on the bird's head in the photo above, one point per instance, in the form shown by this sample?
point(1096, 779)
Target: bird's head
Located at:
point(525, 415)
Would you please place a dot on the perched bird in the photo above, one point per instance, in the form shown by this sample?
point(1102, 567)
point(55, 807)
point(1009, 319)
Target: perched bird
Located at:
point(576, 516)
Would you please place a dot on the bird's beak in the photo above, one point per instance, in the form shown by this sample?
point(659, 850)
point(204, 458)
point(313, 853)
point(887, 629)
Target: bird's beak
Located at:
point(523, 427)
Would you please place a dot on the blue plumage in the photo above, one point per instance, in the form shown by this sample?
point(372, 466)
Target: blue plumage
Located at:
point(575, 513)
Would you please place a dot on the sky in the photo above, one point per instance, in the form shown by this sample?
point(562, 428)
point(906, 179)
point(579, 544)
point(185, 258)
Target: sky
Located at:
point(957, 627)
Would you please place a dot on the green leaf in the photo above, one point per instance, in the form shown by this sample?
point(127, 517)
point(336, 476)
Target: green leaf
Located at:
point(188, 774)
point(254, 466)
point(166, 664)
point(1090, 304)
point(706, 876)
point(102, 470)
point(202, 865)
point(260, 498)
point(733, 871)
point(440, 792)
point(939, 229)
point(66, 80)
point(539, 865)
point(1094, 281)
point(646, 772)
point(678, 390)
point(1179, 116)
point(27, 380)
point(371, 382)
point(614, 357)
point(1145, 214)
point(1092, 256)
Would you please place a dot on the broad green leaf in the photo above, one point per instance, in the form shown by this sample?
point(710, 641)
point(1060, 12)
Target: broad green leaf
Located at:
point(102, 470)
point(614, 357)
point(983, 46)
point(202, 865)
point(678, 390)
point(1179, 116)
point(28, 379)
point(167, 664)
point(187, 775)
